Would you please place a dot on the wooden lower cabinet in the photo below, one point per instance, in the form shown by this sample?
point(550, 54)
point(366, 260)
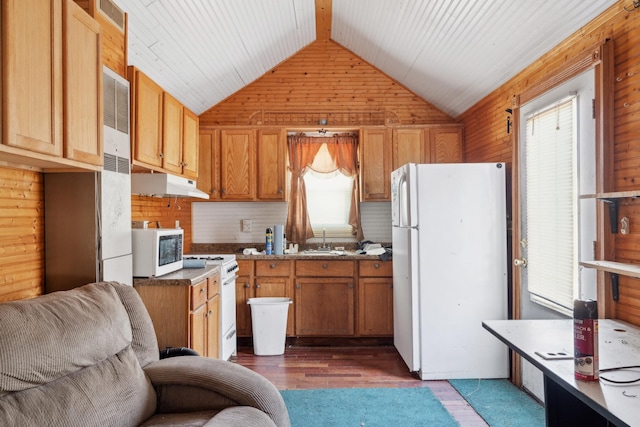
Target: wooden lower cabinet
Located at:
point(265, 278)
point(375, 298)
point(325, 306)
point(375, 306)
point(331, 298)
point(186, 316)
point(325, 297)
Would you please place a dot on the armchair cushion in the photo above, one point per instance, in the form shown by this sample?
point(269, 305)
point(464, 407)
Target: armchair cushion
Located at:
point(195, 383)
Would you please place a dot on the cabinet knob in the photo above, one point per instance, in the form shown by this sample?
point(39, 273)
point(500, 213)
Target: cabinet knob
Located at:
point(246, 285)
point(272, 266)
point(280, 191)
point(325, 266)
point(202, 290)
point(297, 286)
point(161, 155)
point(376, 265)
point(258, 286)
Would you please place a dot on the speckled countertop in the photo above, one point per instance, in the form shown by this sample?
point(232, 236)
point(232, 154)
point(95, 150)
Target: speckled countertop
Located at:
point(301, 255)
point(232, 248)
point(184, 277)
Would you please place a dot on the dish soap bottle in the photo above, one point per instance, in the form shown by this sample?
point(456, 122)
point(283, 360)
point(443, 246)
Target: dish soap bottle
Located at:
point(269, 241)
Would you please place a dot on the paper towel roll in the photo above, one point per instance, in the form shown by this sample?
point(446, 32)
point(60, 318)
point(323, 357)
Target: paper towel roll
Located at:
point(278, 244)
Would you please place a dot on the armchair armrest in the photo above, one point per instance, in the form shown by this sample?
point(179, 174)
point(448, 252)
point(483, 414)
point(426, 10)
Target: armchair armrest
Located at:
point(198, 383)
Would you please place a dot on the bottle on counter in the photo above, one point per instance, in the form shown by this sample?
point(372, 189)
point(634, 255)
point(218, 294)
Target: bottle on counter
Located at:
point(269, 241)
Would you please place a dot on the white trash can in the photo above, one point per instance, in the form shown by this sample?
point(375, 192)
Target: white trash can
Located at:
point(269, 322)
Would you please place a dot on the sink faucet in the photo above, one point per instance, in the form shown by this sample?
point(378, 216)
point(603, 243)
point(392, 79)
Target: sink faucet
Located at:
point(324, 246)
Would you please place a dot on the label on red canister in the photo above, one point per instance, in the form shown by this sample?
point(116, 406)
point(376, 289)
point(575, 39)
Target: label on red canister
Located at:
point(585, 340)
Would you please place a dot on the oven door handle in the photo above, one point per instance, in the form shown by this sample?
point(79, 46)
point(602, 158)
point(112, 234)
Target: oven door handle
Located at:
point(228, 280)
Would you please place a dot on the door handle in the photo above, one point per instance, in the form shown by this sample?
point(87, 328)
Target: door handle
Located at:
point(520, 262)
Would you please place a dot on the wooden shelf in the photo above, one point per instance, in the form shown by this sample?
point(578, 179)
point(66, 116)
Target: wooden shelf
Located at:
point(631, 270)
point(612, 195)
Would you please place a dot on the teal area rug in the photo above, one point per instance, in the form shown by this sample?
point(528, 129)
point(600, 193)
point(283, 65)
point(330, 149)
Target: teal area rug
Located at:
point(366, 407)
point(500, 403)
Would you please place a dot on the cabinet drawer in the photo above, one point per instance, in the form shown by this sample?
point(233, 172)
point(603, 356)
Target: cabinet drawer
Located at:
point(245, 267)
point(325, 268)
point(198, 294)
point(213, 285)
point(273, 268)
point(376, 268)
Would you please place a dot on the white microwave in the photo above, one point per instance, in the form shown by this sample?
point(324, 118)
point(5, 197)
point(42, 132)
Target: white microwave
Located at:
point(156, 251)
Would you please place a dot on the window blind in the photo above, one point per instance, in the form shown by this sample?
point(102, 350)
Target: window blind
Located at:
point(551, 197)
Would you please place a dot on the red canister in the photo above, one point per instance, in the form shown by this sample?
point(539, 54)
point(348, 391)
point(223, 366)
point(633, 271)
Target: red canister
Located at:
point(585, 340)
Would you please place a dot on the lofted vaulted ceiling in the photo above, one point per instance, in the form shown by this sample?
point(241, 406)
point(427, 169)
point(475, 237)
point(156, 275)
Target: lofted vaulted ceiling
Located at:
point(451, 53)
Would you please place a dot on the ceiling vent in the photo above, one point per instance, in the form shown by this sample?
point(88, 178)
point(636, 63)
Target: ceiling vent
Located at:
point(113, 12)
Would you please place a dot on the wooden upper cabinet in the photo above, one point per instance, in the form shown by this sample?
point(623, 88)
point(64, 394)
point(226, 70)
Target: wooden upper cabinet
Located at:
point(209, 163)
point(408, 147)
point(32, 75)
point(190, 144)
point(375, 165)
point(270, 159)
point(237, 160)
point(82, 86)
point(172, 121)
point(445, 144)
point(146, 119)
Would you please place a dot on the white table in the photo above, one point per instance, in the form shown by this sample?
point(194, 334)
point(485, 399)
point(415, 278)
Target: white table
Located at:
point(568, 401)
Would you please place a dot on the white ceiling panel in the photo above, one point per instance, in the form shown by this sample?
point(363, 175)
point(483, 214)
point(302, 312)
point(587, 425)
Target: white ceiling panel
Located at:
point(451, 53)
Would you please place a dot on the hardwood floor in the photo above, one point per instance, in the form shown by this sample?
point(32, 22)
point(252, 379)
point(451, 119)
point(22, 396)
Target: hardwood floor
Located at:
point(310, 367)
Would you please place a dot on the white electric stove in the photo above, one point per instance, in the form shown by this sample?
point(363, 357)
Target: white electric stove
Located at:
point(228, 274)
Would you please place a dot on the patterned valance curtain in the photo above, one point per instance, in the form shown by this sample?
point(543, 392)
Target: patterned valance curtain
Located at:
point(343, 150)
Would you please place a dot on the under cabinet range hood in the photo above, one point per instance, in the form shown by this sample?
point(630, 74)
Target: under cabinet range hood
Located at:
point(164, 185)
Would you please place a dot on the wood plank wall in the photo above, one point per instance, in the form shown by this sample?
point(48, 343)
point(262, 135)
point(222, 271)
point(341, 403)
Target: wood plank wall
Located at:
point(166, 211)
point(486, 138)
point(21, 234)
point(324, 76)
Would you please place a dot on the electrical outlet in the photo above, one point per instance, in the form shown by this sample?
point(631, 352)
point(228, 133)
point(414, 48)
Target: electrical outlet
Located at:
point(246, 225)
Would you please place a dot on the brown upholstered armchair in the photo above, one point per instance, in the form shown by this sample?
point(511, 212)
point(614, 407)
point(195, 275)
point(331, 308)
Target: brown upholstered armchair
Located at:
point(89, 357)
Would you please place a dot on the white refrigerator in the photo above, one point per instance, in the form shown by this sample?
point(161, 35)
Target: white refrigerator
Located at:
point(449, 268)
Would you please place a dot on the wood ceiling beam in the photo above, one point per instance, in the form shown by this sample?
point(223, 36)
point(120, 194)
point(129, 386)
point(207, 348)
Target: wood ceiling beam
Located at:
point(323, 19)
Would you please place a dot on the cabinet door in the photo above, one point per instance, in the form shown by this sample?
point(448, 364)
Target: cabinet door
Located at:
point(324, 307)
point(198, 327)
point(209, 163)
point(270, 161)
point(32, 75)
point(375, 306)
point(237, 154)
point(375, 165)
point(276, 287)
point(172, 120)
point(244, 291)
point(190, 145)
point(82, 38)
point(213, 327)
point(408, 147)
point(445, 144)
point(146, 113)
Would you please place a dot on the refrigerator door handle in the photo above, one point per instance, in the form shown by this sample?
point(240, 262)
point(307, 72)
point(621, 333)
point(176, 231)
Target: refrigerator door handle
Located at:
point(403, 200)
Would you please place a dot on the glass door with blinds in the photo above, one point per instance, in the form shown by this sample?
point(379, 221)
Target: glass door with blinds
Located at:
point(558, 228)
